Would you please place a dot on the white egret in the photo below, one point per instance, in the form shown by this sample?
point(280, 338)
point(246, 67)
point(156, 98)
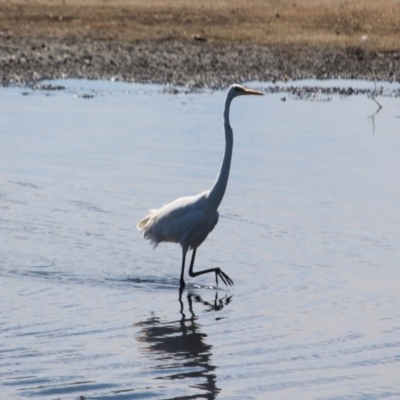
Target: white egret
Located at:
point(189, 220)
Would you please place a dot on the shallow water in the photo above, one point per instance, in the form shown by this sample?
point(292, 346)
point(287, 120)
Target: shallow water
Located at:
point(309, 231)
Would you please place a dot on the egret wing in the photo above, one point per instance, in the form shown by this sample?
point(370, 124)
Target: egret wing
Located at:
point(177, 229)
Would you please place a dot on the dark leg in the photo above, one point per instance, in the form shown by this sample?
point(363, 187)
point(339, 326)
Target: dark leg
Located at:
point(192, 262)
point(218, 272)
point(183, 271)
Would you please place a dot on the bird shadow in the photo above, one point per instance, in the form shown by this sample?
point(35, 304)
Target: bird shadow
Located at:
point(217, 305)
point(179, 350)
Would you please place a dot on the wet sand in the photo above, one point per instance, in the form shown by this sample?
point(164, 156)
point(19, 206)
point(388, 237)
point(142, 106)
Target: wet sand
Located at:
point(202, 45)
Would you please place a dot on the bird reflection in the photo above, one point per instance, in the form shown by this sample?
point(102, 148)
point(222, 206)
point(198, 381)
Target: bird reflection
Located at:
point(181, 349)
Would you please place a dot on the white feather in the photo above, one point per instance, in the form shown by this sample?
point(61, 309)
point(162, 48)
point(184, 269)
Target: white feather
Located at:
point(189, 220)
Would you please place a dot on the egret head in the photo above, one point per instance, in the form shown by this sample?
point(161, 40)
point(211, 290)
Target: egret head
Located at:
point(238, 90)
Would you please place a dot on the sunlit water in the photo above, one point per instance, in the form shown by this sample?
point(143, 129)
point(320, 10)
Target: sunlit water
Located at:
point(309, 231)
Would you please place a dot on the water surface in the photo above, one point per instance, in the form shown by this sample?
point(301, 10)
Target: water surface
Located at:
point(309, 231)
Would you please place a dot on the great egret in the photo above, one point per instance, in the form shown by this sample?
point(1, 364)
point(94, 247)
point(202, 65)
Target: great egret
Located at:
point(189, 220)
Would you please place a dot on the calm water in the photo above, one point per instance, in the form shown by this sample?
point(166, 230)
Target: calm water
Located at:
point(309, 231)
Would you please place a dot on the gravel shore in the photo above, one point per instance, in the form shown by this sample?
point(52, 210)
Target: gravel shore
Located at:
point(192, 63)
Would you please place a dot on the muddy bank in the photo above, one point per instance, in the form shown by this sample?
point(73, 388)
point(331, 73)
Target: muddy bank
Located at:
point(191, 63)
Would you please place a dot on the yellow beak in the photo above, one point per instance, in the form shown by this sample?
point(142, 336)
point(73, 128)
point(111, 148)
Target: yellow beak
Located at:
point(252, 91)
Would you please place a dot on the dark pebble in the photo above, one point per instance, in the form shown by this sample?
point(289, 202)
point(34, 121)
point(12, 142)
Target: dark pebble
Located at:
point(194, 64)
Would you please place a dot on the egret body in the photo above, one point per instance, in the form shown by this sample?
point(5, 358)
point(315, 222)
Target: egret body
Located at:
point(189, 220)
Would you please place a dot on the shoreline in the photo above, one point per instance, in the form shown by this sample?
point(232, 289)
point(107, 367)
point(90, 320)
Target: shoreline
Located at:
point(193, 64)
point(206, 43)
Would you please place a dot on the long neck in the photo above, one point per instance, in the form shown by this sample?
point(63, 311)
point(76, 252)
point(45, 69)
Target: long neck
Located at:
point(218, 190)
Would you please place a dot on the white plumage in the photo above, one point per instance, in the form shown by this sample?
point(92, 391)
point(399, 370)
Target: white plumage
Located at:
point(189, 220)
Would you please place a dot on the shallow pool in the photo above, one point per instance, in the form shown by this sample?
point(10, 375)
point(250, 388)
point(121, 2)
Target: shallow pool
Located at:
point(309, 231)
